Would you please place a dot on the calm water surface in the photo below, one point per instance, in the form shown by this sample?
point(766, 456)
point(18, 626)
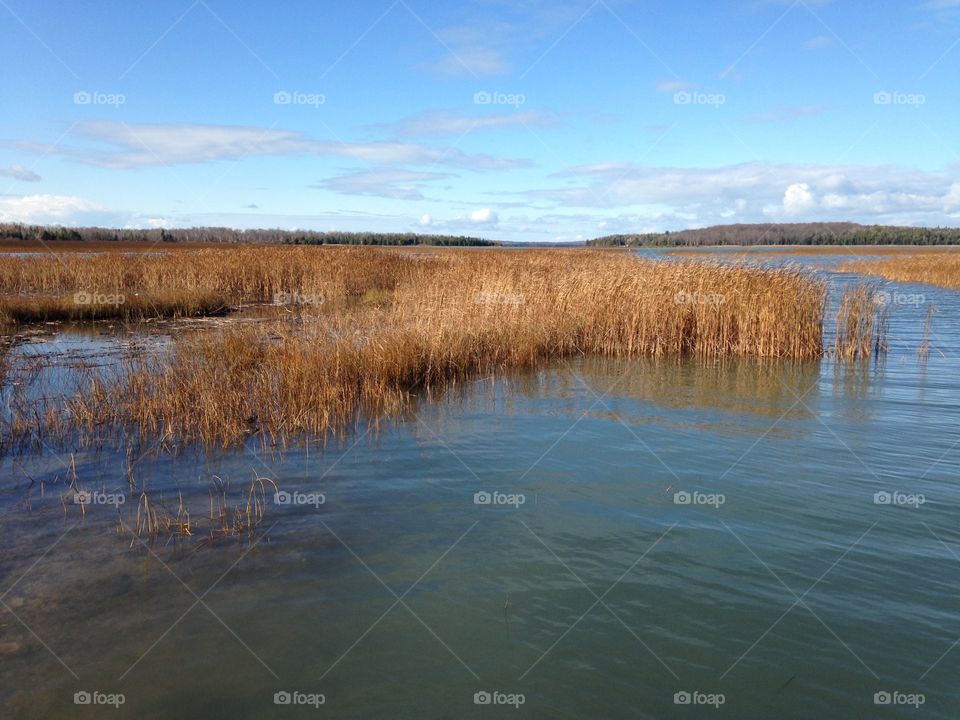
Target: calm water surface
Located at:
point(816, 564)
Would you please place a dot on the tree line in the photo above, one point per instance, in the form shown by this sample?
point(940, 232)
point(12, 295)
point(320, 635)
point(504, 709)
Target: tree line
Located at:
point(19, 233)
point(787, 234)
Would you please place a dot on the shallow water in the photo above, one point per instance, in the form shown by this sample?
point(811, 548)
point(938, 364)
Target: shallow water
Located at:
point(787, 585)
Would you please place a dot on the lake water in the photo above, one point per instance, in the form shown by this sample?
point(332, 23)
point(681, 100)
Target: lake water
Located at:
point(610, 539)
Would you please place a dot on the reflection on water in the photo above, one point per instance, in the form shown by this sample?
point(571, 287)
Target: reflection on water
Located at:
point(814, 584)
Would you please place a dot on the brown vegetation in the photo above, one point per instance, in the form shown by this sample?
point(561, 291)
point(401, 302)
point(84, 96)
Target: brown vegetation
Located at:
point(371, 329)
point(377, 327)
point(940, 268)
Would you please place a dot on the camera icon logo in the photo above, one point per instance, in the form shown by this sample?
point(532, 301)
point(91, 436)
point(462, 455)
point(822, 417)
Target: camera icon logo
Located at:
point(682, 97)
point(682, 698)
point(482, 98)
point(882, 498)
point(482, 498)
point(282, 697)
point(282, 97)
point(282, 497)
point(82, 98)
point(682, 498)
point(482, 698)
point(882, 698)
point(83, 497)
point(882, 98)
point(82, 697)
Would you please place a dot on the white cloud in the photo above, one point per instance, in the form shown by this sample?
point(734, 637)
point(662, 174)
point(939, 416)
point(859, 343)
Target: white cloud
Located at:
point(18, 172)
point(121, 145)
point(385, 182)
point(798, 199)
point(757, 192)
point(426, 220)
point(484, 216)
point(951, 201)
point(43, 209)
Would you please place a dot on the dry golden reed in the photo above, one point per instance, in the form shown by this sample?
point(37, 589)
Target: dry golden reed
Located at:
point(51, 286)
point(398, 324)
point(861, 324)
point(941, 268)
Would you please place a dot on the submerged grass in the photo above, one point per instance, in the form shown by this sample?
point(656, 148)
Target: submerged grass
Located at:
point(941, 268)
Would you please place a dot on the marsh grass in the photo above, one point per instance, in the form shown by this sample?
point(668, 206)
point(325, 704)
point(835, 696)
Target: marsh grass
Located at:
point(923, 350)
point(861, 324)
point(85, 306)
point(940, 267)
point(384, 327)
point(180, 282)
point(155, 521)
point(419, 324)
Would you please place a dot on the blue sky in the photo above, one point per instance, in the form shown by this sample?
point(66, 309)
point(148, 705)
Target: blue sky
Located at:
point(527, 120)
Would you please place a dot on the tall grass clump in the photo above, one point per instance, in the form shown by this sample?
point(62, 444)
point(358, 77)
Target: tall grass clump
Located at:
point(46, 286)
point(861, 324)
point(941, 268)
point(434, 321)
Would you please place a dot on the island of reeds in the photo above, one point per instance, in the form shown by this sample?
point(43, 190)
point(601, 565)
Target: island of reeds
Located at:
point(342, 333)
point(940, 268)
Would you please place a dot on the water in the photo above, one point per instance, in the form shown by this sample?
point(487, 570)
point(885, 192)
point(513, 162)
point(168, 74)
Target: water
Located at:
point(787, 586)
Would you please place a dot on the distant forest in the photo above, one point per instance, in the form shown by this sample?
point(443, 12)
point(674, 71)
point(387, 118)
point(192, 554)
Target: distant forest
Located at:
point(759, 234)
point(788, 234)
point(210, 235)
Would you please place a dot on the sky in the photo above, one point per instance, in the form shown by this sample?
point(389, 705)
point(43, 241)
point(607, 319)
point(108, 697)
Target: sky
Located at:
point(518, 120)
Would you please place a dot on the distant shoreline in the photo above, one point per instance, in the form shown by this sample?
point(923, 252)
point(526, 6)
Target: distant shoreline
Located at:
point(788, 237)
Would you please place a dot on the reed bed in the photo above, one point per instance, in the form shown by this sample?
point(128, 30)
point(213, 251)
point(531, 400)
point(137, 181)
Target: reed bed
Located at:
point(85, 306)
point(418, 324)
point(191, 281)
point(941, 268)
point(861, 324)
